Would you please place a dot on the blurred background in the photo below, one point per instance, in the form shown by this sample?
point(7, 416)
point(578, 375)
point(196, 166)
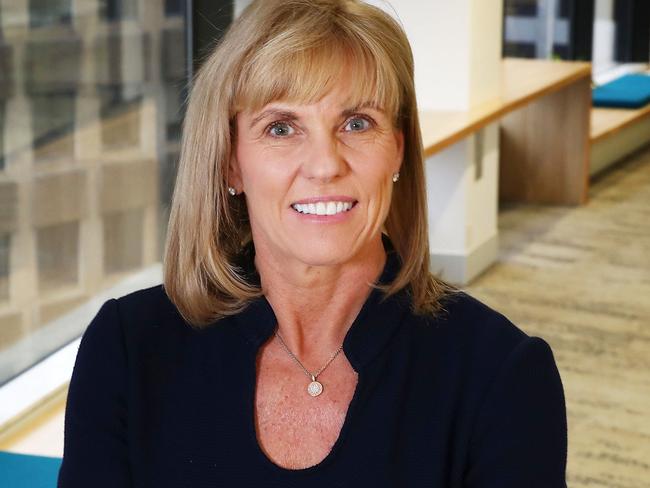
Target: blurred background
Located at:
point(91, 105)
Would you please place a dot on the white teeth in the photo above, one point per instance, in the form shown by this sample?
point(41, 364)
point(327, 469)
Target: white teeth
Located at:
point(323, 208)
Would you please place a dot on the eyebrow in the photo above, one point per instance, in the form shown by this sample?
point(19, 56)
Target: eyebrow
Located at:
point(289, 115)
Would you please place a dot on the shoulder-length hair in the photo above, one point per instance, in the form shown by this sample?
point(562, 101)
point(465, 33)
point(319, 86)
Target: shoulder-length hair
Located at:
point(288, 50)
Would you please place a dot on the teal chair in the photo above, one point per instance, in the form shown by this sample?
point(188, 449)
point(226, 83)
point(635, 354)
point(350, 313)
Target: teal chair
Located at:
point(25, 471)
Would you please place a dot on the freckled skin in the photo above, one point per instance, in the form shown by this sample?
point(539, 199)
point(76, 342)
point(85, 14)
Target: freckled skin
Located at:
point(294, 430)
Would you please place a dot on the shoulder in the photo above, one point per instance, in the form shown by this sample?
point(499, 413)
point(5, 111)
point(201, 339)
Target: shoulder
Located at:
point(147, 303)
point(153, 295)
point(476, 341)
point(505, 388)
point(148, 313)
point(467, 320)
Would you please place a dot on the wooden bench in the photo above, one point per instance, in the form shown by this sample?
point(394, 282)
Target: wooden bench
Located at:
point(616, 133)
point(544, 115)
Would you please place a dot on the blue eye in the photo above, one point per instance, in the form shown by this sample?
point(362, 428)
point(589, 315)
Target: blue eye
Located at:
point(358, 124)
point(280, 129)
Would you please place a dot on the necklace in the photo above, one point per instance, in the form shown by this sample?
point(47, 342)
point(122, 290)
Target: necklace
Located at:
point(314, 388)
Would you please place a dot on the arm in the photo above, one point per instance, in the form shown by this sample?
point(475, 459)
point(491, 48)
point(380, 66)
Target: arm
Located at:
point(95, 449)
point(520, 435)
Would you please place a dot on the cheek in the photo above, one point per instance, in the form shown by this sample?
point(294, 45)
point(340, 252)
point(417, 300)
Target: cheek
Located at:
point(376, 169)
point(377, 181)
point(253, 166)
point(266, 177)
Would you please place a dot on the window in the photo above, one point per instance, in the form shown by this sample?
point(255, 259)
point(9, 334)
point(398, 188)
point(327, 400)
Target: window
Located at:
point(632, 39)
point(58, 256)
point(90, 116)
point(548, 28)
point(2, 134)
point(52, 126)
point(609, 33)
point(123, 240)
point(174, 7)
point(8, 223)
point(49, 12)
point(115, 10)
point(4, 266)
point(121, 119)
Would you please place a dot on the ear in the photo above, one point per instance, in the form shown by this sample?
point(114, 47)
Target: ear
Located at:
point(399, 137)
point(234, 170)
point(234, 173)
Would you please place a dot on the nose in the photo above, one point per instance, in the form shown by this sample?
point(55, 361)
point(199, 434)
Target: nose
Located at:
point(324, 161)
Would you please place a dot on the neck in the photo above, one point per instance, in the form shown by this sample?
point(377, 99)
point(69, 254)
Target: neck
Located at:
point(316, 305)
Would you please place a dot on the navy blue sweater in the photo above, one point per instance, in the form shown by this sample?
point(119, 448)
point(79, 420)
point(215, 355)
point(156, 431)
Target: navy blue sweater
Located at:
point(465, 399)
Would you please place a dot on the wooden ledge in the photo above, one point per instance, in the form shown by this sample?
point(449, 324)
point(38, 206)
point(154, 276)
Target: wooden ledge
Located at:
point(522, 81)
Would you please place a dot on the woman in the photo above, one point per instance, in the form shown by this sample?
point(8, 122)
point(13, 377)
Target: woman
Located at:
point(299, 338)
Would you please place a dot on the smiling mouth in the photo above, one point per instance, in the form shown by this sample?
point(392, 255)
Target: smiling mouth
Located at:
point(324, 208)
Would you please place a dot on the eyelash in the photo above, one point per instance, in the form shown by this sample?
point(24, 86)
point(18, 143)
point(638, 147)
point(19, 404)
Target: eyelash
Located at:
point(276, 123)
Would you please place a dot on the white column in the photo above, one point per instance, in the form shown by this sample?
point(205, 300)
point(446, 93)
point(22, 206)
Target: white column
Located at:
point(457, 50)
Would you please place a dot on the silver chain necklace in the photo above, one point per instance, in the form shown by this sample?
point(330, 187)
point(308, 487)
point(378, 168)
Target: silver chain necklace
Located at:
point(314, 388)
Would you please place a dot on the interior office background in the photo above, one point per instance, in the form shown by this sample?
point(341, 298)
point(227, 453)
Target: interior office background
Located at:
point(91, 105)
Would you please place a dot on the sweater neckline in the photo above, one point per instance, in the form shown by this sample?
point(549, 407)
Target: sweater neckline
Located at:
point(371, 330)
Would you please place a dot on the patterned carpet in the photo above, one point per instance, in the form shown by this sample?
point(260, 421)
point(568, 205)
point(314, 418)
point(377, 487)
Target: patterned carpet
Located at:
point(580, 278)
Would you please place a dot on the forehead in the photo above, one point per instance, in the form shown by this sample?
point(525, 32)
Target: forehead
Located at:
point(307, 77)
point(338, 100)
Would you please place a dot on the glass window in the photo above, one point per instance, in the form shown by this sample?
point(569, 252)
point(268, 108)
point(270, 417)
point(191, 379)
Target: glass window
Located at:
point(123, 239)
point(611, 34)
point(632, 41)
point(89, 122)
point(174, 7)
point(4, 267)
point(537, 28)
point(49, 12)
point(2, 133)
point(52, 126)
point(121, 119)
point(115, 10)
point(53, 65)
point(57, 250)
point(8, 203)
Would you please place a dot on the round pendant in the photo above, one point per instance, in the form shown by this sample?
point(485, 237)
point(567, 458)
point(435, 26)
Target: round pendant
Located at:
point(315, 388)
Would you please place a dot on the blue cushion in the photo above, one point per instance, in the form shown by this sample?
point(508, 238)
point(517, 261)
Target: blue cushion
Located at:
point(23, 471)
point(629, 91)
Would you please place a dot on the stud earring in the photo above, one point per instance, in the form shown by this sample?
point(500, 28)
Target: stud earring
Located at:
point(395, 177)
point(232, 191)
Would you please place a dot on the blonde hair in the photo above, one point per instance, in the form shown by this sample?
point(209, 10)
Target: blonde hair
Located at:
point(288, 50)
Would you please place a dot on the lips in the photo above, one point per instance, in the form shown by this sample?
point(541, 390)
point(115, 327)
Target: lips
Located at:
point(331, 198)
